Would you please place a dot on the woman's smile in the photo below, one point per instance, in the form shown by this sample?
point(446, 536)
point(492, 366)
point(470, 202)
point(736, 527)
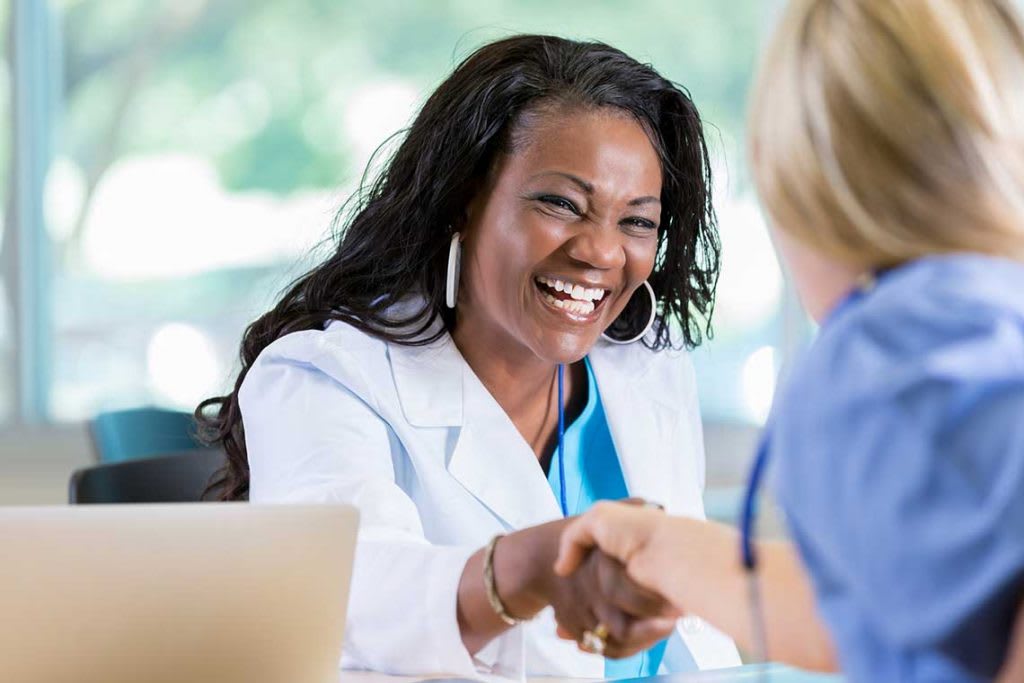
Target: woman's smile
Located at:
point(571, 300)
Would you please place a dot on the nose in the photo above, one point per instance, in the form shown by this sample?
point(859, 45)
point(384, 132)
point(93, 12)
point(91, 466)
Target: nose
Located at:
point(598, 246)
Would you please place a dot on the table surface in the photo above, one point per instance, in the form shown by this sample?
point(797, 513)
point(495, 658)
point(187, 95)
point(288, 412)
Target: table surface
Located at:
point(769, 673)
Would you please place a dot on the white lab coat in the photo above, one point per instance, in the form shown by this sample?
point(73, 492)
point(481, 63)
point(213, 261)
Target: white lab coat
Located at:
point(411, 437)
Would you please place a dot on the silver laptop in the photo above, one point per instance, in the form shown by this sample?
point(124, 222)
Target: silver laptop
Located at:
point(232, 593)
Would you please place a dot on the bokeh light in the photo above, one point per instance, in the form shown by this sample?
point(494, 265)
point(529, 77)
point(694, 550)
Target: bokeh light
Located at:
point(181, 365)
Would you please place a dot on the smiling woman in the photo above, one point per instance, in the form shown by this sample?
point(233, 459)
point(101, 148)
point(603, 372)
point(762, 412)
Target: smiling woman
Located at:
point(444, 368)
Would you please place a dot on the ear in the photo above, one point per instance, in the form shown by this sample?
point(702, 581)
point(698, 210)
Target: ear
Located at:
point(467, 219)
point(471, 215)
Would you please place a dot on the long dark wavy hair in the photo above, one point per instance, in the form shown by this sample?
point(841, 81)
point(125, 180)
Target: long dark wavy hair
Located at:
point(394, 233)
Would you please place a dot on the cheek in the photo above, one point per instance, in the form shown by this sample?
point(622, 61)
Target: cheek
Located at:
point(640, 256)
point(505, 249)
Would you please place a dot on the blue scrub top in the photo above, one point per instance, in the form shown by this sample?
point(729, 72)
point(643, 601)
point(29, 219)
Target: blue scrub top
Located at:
point(593, 473)
point(899, 447)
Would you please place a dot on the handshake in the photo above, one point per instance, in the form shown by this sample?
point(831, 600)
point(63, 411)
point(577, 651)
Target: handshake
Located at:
point(608, 562)
point(601, 573)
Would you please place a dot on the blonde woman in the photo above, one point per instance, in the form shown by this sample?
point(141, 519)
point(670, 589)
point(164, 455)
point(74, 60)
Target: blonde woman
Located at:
point(888, 150)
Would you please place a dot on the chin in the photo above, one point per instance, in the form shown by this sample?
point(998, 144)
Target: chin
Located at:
point(565, 348)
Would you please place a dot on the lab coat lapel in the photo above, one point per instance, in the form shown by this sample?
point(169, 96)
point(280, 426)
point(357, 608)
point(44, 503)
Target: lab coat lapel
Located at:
point(496, 465)
point(437, 388)
point(641, 426)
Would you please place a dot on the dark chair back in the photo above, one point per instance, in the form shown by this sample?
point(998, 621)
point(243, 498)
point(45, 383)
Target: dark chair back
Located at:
point(141, 433)
point(176, 478)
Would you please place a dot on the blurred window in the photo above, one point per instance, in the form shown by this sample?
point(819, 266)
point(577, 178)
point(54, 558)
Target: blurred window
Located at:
point(8, 372)
point(202, 148)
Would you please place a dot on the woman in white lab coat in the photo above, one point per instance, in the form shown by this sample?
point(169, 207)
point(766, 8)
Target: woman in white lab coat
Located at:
point(550, 202)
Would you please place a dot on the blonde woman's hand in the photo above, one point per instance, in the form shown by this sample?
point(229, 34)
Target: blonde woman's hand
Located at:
point(631, 534)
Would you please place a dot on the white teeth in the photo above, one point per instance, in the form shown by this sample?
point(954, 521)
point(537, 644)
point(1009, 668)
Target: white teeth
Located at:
point(577, 292)
point(576, 307)
point(583, 307)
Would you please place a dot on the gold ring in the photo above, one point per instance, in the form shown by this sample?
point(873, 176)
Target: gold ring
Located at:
point(593, 643)
point(601, 631)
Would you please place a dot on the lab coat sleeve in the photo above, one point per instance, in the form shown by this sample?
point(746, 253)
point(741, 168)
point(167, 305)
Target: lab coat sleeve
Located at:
point(692, 424)
point(713, 649)
point(312, 440)
point(685, 433)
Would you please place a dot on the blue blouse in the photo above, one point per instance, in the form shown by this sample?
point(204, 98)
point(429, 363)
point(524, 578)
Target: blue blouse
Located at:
point(899, 445)
point(593, 473)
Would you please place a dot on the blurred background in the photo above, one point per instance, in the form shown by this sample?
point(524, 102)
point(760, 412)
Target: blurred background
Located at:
point(171, 164)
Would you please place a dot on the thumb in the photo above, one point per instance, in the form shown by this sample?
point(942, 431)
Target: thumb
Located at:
point(576, 541)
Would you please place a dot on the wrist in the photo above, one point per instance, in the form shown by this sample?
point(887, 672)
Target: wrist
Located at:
point(523, 572)
point(695, 571)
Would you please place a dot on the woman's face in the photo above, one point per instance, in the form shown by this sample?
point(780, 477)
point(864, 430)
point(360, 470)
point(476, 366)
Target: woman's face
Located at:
point(560, 238)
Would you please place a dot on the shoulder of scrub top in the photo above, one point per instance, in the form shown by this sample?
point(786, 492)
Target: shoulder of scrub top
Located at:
point(955, 318)
point(900, 368)
point(898, 443)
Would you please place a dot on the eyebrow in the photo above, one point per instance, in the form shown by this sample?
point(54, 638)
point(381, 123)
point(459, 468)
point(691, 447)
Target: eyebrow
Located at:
point(588, 188)
point(583, 184)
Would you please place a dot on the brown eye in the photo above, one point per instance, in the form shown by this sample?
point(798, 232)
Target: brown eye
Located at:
point(560, 202)
point(639, 222)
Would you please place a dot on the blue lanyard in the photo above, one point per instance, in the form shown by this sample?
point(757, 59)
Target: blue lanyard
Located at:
point(561, 441)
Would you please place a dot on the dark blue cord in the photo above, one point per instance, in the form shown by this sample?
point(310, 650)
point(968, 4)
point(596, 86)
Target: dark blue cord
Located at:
point(749, 512)
point(561, 440)
point(750, 508)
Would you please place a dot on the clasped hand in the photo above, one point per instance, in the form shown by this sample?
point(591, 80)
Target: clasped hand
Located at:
point(599, 592)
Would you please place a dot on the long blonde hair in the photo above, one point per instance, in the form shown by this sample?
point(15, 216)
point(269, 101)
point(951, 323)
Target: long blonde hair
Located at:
point(885, 130)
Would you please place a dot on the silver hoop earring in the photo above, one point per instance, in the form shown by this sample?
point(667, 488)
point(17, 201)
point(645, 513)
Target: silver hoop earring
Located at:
point(650, 323)
point(451, 282)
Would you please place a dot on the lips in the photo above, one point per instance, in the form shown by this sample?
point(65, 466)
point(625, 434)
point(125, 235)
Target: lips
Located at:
point(575, 299)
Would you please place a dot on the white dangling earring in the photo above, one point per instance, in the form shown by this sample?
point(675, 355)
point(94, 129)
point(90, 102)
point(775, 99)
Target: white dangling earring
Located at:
point(451, 282)
point(650, 323)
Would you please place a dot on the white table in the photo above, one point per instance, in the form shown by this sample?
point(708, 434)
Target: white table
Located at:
point(770, 673)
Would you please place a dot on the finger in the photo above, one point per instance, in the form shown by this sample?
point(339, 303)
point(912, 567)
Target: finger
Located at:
point(618, 628)
point(619, 530)
point(643, 503)
point(644, 633)
point(577, 540)
point(627, 595)
point(616, 621)
point(574, 616)
point(627, 636)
